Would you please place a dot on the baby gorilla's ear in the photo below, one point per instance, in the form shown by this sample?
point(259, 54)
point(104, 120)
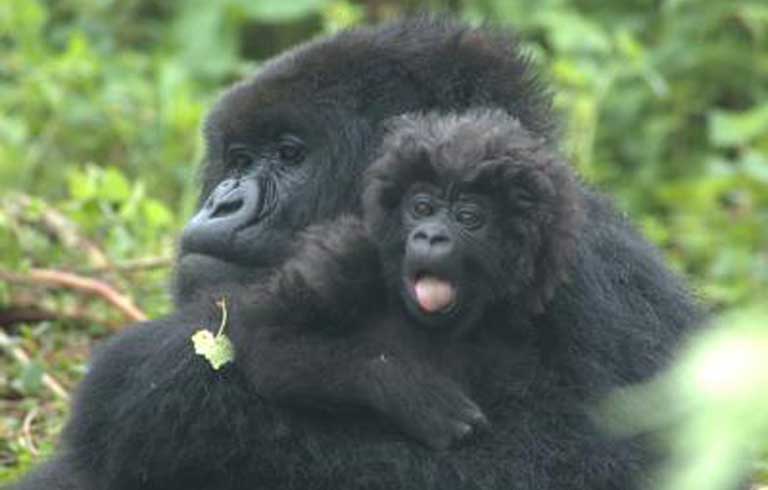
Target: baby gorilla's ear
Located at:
point(551, 192)
point(381, 191)
point(387, 181)
point(540, 202)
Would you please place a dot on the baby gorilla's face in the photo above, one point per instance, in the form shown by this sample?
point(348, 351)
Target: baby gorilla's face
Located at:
point(470, 210)
point(447, 254)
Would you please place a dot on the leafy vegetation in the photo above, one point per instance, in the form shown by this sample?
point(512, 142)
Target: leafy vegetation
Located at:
point(665, 105)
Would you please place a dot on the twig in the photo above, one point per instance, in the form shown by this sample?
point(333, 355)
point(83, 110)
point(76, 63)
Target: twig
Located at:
point(26, 432)
point(54, 278)
point(135, 265)
point(24, 312)
point(23, 358)
point(13, 314)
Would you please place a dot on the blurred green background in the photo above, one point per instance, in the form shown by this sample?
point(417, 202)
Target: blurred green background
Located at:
point(665, 104)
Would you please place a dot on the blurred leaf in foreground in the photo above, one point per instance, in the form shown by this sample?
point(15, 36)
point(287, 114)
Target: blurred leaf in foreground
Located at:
point(710, 409)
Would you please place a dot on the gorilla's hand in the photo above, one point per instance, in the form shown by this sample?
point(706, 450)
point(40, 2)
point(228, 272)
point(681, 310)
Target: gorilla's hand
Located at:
point(296, 365)
point(426, 405)
point(333, 278)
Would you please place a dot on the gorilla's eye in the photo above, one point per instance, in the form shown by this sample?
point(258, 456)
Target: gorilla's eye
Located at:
point(240, 158)
point(469, 218)
point(291, 149)
point(422, 207)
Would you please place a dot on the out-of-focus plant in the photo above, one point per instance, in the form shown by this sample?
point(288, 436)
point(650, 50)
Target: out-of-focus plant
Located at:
point(710, 410)
point(665, 105)
point(73, 93)
point(104, 227)
point(72, 270)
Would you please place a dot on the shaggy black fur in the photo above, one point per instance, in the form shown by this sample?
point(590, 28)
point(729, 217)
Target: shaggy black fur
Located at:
point(287, 149)
point(472, 202)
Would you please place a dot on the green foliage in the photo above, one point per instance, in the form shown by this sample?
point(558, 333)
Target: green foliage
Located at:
point(715, 406)
point(665, 104)
point(100, 204)
point(73, 93)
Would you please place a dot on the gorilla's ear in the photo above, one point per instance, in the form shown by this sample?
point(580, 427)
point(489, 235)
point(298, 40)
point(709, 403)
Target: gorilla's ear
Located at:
point(542, 197)
point(559, 215)
point(382, 189)
point(404, 160)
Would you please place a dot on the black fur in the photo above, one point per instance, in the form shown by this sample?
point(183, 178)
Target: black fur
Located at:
point(325, 330)
point(152, 415)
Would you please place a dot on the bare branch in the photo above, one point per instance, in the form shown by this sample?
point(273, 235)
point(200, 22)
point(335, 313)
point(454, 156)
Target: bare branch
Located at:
point(68, 280)
point(26, 312)
point(26, 431)
point(135, 265)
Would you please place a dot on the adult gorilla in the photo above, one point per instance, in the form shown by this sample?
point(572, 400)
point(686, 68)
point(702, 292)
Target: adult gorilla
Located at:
point(287, 149)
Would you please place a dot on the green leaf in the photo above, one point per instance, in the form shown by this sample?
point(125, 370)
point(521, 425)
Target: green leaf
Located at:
point(156, 214)
point(573, 32)
point(755, 165)
point(114, 186)
point(737, 128)
point(207, 38)
point(217, 350)
point(32, 377)
point(279, 10)
point(81, 185)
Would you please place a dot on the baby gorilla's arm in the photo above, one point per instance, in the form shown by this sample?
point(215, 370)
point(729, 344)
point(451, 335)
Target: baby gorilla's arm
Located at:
point(289, 364)
point(288, 343)
point(332, 281)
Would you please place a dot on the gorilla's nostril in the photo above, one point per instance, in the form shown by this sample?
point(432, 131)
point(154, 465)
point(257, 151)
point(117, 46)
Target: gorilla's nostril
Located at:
point(224, 208)
point(438, 239)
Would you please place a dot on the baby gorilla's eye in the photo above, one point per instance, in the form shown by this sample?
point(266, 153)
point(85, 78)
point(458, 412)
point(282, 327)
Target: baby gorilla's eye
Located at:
point(422, 208)
point(291, 150)
point(469, 219)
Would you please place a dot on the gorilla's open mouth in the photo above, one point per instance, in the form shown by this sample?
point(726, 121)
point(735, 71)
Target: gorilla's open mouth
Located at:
point(431, 297)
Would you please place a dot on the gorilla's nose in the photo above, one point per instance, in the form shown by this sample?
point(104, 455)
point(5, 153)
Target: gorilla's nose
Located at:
point(432, 240)
point(233, 205)
point(226, 199)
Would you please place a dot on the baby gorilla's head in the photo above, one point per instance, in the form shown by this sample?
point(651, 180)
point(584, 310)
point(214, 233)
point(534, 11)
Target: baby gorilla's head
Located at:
point(470, 210)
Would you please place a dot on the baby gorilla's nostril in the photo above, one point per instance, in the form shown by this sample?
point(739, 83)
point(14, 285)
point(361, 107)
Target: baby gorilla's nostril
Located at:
point(438, 239)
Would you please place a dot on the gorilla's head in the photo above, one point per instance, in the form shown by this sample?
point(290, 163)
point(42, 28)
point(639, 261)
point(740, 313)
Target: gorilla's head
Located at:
point(287, 147)
point(470, 209)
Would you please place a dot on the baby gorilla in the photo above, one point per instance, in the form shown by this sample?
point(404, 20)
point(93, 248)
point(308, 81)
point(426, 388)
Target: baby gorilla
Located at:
point(468, 221)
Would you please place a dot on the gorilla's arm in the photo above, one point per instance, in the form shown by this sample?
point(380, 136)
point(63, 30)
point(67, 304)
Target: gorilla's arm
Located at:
point(329, 285)
point(319, 332)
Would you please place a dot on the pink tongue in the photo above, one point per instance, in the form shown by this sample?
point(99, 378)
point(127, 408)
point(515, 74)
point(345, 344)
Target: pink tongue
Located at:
point(434, 294)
